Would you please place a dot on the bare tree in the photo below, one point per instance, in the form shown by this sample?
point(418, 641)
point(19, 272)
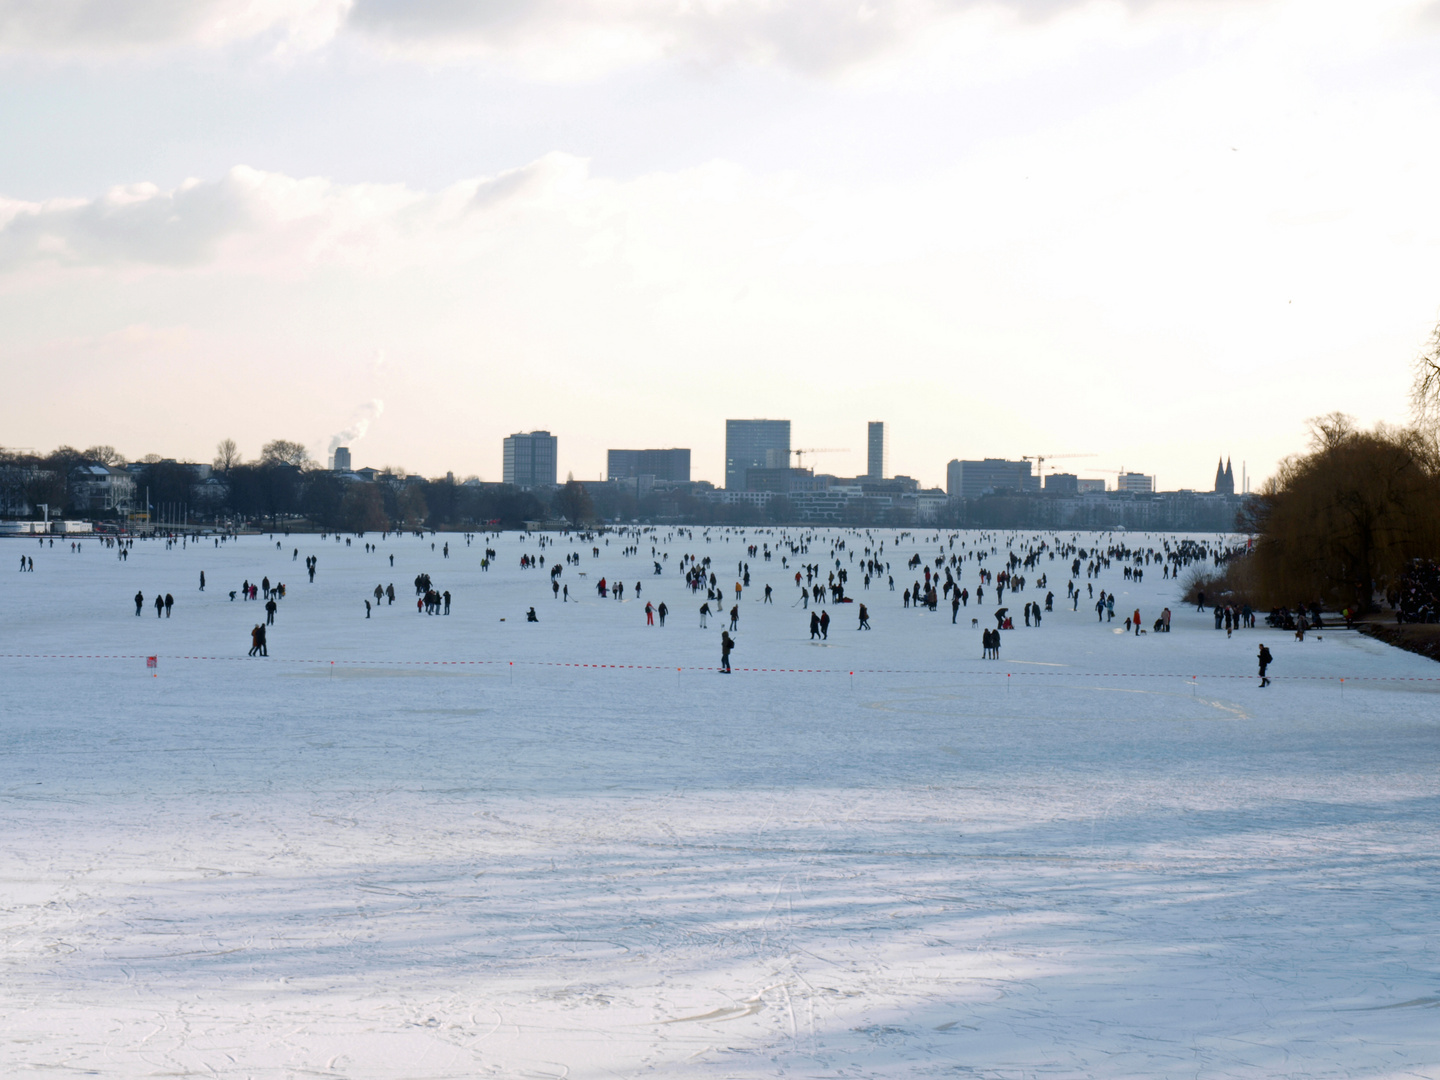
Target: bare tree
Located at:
point(104, 455)
point(1425, 390)
point(227, 455)
point(1331, 431)
point(284, 452)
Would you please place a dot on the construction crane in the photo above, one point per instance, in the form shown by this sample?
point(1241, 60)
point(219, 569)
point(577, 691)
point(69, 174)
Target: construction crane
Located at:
point(800, 454)
point(1040, 460)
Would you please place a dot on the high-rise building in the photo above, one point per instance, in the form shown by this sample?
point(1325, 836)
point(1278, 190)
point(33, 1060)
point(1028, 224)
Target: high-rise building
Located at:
point(875, 457)
point(971, 479)
point(530, 459)
point(672, 465)
point(342, 459)
point(1135, 483)
point(754, 444)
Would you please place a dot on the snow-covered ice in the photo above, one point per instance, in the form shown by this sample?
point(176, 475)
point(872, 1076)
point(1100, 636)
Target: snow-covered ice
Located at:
point(1100, 856)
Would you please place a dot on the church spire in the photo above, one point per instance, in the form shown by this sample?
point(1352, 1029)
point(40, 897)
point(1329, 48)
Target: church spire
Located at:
point(1224, 477)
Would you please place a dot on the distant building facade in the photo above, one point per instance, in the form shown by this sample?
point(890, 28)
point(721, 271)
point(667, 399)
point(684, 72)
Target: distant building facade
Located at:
point(754, 444)
point(102, 487)
point(530, 459)
point(785, 480)
point(1062, 484)
point(971, 479)
point(342, 459)
point(671, 465)
point(1136, 483)
point(875, 457)
point(1090, 487)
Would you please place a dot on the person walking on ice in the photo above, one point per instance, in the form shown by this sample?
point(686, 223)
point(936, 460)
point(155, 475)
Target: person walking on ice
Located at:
point(864, 619)
point(704, 614)
point(727, 643)
point(1265, 659)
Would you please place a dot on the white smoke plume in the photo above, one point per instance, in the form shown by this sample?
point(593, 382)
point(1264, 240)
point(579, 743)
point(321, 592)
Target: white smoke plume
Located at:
point(365, 415)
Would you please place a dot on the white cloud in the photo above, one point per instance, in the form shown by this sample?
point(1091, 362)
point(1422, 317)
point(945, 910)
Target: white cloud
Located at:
point(137, 223)
point(964, 304)
point(1112, 278)
point(89, 26)
point(561, 39)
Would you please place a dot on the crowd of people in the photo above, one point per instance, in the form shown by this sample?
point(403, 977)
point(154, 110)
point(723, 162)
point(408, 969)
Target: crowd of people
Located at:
point(821, 565)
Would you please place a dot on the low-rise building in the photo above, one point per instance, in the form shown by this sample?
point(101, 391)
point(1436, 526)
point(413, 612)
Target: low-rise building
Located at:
point(1135, 483)
point(102, 489)
point(671, 466)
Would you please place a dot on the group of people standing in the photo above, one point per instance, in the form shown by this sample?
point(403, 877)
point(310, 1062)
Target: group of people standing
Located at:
point(163, 604)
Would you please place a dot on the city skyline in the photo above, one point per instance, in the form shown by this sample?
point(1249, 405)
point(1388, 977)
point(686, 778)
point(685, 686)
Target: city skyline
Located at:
point(673, 464)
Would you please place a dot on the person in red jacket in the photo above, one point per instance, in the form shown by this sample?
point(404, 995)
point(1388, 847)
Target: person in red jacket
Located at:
point(649, 614)
point(1136, 617)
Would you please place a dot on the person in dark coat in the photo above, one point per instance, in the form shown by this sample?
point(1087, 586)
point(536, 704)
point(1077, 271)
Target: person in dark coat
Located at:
point(139, 602)
point(825, 625)
point(1265, 660)
point(727, 643)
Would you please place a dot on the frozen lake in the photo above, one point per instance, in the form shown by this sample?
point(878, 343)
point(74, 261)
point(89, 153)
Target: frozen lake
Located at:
point(454, 853)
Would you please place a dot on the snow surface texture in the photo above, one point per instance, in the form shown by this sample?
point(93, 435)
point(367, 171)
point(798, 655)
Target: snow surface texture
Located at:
point(1089, 866)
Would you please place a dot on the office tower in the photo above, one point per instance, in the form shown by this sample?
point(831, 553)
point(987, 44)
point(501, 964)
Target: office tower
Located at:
point(754, 444)
point(530, 459)
point(342, 459)
point(971, 479)
point(875, 458)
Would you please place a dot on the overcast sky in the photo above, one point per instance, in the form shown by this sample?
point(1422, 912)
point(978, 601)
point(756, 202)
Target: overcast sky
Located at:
point(1151, 231)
